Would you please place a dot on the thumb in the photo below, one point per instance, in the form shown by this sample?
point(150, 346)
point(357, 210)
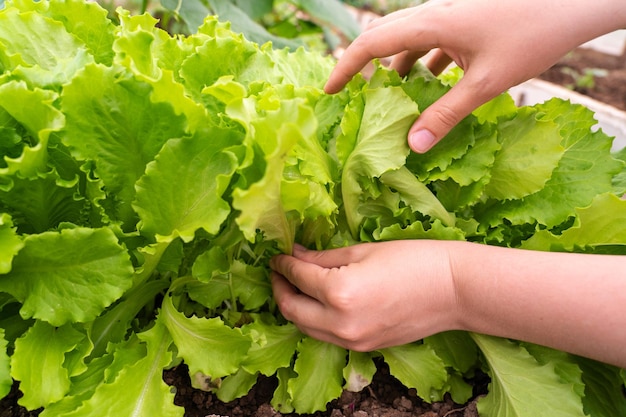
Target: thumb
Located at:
point(440, 117)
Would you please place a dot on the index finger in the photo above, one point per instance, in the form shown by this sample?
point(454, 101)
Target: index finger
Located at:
point(305, 276)
point(402, 33)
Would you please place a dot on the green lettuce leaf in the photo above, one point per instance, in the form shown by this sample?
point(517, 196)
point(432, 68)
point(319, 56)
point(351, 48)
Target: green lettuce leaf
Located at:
point(208, 346)
point(602, 223)
point(520, 386)
point(39, 119)
point(359, 372)
point(261, 204)
point(273, 347)
point(601, 399)
point(191, 176)
point(380, 145)
point(43, 203)
point(38, 363)
point(6, 382)
point(87, 266)
point(110, 119)
point(40, 49)
point(97, 36)
point(585, 170)
point(138, 388)
point(531, 150)
point(417, 366)
point(10, 243)
point(319, 366)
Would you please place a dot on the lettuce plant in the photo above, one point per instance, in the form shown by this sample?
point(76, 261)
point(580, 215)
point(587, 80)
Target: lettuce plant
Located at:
point(146, 180)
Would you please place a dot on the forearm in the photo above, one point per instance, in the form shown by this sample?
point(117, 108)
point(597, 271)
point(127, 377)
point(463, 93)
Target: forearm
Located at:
point(571, 302)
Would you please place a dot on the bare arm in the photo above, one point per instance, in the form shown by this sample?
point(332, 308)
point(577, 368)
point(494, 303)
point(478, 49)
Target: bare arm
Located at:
point(382, 294)
point(571, 302)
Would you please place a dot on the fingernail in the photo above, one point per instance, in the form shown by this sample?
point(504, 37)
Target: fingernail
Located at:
point(298, 248)
point(421, 140)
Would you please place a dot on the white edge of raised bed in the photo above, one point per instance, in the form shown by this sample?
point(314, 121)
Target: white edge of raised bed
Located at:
point(611, 120)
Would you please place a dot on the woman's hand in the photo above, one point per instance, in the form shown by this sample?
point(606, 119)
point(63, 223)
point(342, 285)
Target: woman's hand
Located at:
point(373, 295)
point(367, 296)
point(499, 44)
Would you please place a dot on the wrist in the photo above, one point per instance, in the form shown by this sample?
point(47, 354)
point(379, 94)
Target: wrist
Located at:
point(460, 264)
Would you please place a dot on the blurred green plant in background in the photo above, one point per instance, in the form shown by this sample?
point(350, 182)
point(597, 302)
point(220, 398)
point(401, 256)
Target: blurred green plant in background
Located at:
point(383, 7)
point(314, 24)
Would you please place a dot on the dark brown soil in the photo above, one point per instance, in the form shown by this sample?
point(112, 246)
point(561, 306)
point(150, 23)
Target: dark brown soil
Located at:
point(385, 397)
point(592, 73)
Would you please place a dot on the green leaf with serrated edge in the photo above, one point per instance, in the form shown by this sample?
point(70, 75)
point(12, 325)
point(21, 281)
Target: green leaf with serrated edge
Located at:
point(603, 388)
point(380, 144)
point(110, 119)
point(273, 346)
point(416, 194)
point(38, 363)
point(277, 133)
point(113, 325)
point(348, 129)
point(236, 385)
point(530, 151)
point(453, 146)
point(82, 387)
point(520, 386)
point(190, 177)
point(251, 285)
point(44, 202)
point(359, 372)
point(155, 57)
point(142, 47)
point(97, 35)
point(417, 366)
point(565, 365)
point(224, 53)
point(416, 231)
point(319, 366)
point(38, 118)
point(303, 68)
point(6, 382)
point(10, 243)
point(206, 345)
point(502, 106)
point(281, 401)
point(601, 223)
point(222, 279)
point(619, 181)
point(41, 45)
point(87, 266)
point(477, 163)
point(138, 389)
point(585, 170)
point(455, 348)
point(211, 264)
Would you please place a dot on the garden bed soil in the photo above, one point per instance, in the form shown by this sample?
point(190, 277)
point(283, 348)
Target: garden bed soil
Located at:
point(598, 75)
point(386, 397)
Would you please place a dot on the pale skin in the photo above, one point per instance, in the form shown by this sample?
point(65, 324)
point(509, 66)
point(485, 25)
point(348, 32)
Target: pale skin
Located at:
point(376, 295)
